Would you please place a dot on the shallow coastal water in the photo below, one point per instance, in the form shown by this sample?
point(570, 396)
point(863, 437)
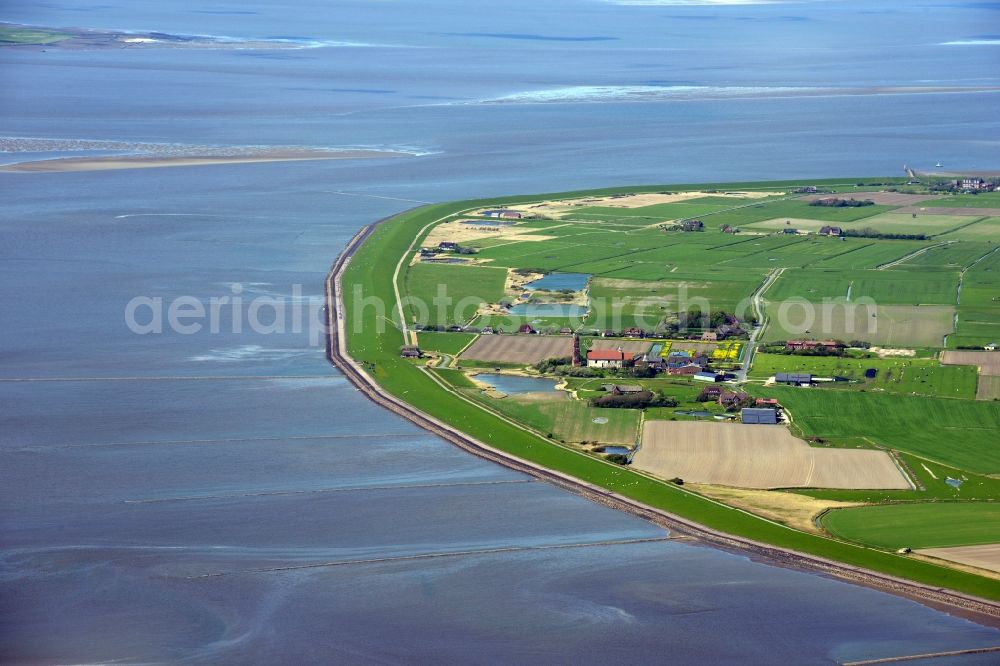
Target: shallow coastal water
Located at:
point(513, 384)
point(559, 281)
point(226, 497)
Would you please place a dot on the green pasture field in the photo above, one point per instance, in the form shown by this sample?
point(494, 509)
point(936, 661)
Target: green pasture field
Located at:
point(473, 284)
point(890, 287)
point(983, 200)
point(979, 308)
point(446, 343)
point(891, 325)
point(570, 420)
point(961, 433)
point(920, 525)
point(905, 223)
point(620, 303)
point(976, 328)
point(455, 378)
point(984, 229)
point(794, 208)
point(896, 375)
point(377, 346)
point(953, 256)
point(860, 253)
point(981, 286)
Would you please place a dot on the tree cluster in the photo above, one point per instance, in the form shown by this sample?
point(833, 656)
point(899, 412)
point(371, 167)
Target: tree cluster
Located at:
point(868, 232)
point(639, 400)
point(835, 202)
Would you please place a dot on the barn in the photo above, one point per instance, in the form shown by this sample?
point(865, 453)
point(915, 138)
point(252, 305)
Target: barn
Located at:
point(759, 415)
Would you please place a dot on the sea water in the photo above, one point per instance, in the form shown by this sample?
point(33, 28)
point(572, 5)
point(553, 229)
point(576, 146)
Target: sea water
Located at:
point(225, 497)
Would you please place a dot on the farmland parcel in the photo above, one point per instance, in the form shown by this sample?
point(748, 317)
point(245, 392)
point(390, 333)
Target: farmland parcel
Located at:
point(641, 257)
point(748, 456)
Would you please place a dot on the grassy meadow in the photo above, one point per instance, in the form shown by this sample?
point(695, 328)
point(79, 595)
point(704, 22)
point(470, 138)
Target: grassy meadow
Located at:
point(912, 376)
point(920, 525)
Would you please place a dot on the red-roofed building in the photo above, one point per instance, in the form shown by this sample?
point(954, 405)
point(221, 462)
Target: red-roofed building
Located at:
point(609, 358)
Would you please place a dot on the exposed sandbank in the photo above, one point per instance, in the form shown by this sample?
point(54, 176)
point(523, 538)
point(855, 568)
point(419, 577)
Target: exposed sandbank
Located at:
point(110, 162)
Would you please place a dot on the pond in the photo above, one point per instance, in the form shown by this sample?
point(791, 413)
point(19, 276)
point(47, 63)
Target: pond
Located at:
point(620, 450)
point(548, 310)
point(512, 384)
point(954, 483)
point(559, 281)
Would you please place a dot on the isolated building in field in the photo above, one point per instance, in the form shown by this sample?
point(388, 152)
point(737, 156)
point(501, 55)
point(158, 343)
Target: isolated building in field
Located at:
point(795, 378)
point(759, 415)
point(410, 352)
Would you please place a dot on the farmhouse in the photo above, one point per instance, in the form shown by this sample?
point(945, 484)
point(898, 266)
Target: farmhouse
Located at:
point(448, 245)
point(710, 336)
point(794, 378)
point(651, 359)
point(609, 358)
point(830, 231)
point(693, 225)
point(633, 333)
point(622, 389)
point(973, 184)
point(410, 352)
point(732, 399)
point(759, 415)
point(710, 394)
point(526, 328)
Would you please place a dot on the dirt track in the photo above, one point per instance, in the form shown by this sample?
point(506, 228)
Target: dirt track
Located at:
point(982, 610)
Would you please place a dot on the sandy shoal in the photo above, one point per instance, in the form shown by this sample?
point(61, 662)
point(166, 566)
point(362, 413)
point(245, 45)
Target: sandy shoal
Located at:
point(112, 162)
